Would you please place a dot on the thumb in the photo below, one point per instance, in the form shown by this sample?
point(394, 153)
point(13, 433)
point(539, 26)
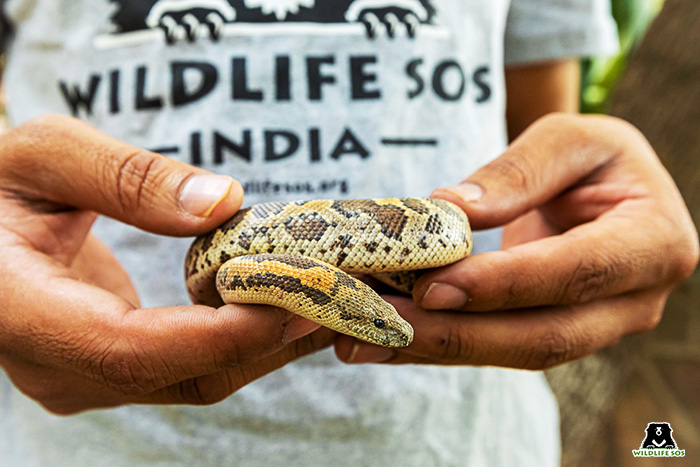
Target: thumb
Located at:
point(64, 161)
point(555, 153)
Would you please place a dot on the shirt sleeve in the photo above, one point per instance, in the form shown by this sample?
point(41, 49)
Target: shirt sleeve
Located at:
point(540, 30)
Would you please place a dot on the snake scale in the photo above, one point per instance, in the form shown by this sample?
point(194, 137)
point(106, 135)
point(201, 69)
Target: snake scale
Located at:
point(299, 255)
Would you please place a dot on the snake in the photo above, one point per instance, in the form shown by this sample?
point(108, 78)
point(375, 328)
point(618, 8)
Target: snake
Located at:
point(302, 255)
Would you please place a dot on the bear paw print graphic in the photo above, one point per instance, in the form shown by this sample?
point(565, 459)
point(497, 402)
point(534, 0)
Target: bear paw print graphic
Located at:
point(390, 17)
point(192, 20)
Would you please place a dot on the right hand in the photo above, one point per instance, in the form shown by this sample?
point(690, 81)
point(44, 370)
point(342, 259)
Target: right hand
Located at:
point(72, 335)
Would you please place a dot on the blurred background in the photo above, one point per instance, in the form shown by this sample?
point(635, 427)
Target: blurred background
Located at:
point(607, 399)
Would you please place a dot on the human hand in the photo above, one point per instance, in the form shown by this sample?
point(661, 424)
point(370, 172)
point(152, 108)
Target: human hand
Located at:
point(596, 236)
point(71, 334)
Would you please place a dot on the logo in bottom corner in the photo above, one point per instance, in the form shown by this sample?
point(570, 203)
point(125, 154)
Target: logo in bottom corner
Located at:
point(658, 442)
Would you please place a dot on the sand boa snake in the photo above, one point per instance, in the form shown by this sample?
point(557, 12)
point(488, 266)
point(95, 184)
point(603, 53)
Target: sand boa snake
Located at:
point(290, 255)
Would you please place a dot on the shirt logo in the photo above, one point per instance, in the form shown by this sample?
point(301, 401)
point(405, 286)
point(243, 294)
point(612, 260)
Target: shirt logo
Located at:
point(193, 20)
point(355, 60)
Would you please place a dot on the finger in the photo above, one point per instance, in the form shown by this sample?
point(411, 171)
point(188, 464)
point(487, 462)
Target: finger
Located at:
point(210, 389)
point(59, 391)
point(95, 264)
point(528, 339)
point(552, 155)
point(65, 392)
point(67, 162)
point(186, 342)
point(133, 351)
point(616, 254)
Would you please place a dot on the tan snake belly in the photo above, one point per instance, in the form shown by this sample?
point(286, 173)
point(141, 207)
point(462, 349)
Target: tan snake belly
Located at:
point(298, 255)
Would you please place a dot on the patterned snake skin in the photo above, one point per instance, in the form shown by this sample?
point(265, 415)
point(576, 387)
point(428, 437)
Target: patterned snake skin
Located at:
point(293, 255)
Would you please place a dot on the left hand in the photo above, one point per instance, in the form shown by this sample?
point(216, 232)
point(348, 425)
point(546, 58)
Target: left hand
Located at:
point(596, 236)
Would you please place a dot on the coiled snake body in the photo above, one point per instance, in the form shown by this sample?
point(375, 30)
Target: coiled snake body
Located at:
point(298, 255)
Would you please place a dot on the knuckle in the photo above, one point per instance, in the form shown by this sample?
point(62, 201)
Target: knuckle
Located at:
point(561, 122)
point(46, 388)
point(122, 370)
point(47, 123)
point(24, 142)
point(651, 318)
point(584, 127)
point(206, 390)
point(588, 281)
point(515, 170)
point(61, 409)
point(135, 174)
point(620, 126)
point(41, 391)
point(235, 355)
point(585, 130)
point(48, 130)
point(556, 346)
point(454, 346)
point(311, 343)
point(686, 263)
point(522, 290)
point(557, 120)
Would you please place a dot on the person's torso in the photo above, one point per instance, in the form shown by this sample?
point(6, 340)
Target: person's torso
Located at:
point(294, 98)
point(297, 99)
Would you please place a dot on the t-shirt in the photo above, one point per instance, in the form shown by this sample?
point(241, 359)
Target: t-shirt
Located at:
point(297, 99)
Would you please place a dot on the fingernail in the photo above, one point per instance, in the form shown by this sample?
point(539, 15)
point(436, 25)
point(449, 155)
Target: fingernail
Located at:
point(368, 353)
point(203, 193)
point(441, 296)
point(467, 192)
point(298, 327)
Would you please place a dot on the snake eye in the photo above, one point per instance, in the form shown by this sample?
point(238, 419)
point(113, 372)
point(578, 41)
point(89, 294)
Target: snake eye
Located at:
point(379, 323)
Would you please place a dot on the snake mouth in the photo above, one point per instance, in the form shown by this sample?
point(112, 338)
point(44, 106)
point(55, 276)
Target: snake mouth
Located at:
point(395, 337)
point(398, 338)
point(405, 337)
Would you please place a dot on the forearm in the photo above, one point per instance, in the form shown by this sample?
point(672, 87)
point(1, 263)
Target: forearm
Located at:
point(539, 89)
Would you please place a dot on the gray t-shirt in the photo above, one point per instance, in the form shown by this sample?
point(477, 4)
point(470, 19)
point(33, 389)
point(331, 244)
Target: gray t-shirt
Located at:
point(297, 99)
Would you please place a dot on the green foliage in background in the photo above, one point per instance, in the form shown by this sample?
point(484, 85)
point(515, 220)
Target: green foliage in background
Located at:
point(600, 74)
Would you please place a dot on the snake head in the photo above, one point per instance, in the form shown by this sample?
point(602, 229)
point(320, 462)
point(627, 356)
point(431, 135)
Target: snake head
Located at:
point(379, 323)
